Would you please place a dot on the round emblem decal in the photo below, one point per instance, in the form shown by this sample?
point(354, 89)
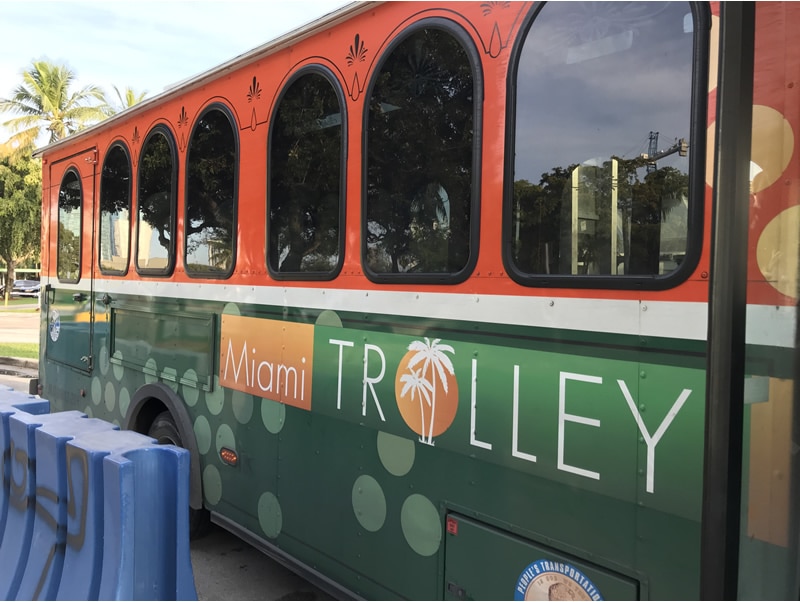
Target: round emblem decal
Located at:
point(55, 325)
point(548, 580)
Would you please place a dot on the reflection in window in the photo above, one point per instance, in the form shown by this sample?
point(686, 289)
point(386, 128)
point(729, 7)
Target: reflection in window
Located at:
point(70, 198)
point(306, 179)
point(603, 111)
point(419, 196)
point(156, 197)
point(211, 195)
point(115, 206)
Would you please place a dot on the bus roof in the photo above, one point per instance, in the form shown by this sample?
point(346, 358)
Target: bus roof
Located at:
point(291, 37)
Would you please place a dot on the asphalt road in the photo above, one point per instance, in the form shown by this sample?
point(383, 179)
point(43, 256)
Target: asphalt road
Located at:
point(225, 567)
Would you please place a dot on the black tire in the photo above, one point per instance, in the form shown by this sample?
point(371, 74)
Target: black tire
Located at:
point(165, 431)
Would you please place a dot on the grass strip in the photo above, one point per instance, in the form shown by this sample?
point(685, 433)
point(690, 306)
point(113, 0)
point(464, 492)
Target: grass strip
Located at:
point(26, 350)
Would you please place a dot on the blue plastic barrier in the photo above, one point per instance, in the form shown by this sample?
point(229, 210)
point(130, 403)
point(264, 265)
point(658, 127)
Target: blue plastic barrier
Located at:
point(89, 512)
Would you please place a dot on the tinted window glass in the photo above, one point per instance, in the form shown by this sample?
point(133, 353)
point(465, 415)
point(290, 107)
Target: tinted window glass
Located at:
point(211, 195)
point(305, 184)
point(603, 114)
point(115, 206)
point(70, 198)
point(419, 196)
point(156, 198)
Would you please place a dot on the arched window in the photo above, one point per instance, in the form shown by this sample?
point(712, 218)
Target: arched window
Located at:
point(603, 142)
point(212, 165)
point(306, 179)
point(158, 174)
point(420, 158)
point(70, 206)
point(115, 207)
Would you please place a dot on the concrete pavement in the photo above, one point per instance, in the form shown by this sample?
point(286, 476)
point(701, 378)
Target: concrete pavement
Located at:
point(19, 325)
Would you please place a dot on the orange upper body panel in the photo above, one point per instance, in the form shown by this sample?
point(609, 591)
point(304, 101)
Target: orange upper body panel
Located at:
point(350, 46)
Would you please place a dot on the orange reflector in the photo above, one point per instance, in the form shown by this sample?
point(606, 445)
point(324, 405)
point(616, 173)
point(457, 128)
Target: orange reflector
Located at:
point(228, 456)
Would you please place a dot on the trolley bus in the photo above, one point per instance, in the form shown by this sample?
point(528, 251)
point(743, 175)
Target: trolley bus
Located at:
point(470, 300)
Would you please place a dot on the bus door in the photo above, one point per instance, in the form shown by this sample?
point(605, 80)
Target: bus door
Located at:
point(69, 291)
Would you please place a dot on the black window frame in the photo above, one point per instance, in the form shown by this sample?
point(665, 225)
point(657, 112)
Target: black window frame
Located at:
point(124, 148)
point(468, 44)
point(697, 167)
point(74, 171)
point(228, 113)
point(164, 130)
point(314, 69)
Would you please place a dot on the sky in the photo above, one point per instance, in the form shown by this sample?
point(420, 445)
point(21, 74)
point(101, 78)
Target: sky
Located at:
point(146, 45)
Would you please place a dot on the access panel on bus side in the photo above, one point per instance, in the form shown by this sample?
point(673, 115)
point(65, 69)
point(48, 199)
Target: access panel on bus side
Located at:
point(68, 291)
point(485, 563)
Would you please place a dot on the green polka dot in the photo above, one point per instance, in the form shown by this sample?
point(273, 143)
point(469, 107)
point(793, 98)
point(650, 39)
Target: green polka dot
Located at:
point(369, 503)
point(329, 318)
point(396, 453)
point(421, 525)
point(110, 396)
point(242, 406)
point(212, 485)
point(191, 392)
point(170, 377)
point(118, 370)
point(150, 371)
point(225, 438)
point(97, 391)
point(270, 516)
point(124, 401)
point(102, 360)
point(202, 434)
point(231, 309)
point(88, 411)
point(273, 415)
point(116, 423)
point(215, 398)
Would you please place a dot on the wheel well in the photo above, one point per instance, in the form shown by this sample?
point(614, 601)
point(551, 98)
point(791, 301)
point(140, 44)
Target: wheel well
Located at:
point(147, 413)
point(147, 403)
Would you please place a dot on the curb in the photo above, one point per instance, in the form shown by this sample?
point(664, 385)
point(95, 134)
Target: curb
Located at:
point(20, 362)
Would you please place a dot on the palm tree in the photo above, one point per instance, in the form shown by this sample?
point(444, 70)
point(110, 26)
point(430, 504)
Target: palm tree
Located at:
point(432, 354)
point(412, 382)
point(45, 102)
point(127, 98)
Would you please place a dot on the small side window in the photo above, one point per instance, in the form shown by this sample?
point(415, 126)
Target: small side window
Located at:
point(115, 208)
point(70, 202)
point(158, 174)
point(306, 181)
point(212, 164)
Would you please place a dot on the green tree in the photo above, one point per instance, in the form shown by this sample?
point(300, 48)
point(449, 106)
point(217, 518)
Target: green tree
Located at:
point(46, 102)
point(20, 211)
point(125, 100)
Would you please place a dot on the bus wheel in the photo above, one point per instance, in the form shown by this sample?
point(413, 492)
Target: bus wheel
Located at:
point(165, 431)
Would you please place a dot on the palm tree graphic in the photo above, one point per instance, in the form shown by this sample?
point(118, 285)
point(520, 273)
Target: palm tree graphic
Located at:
point(433, 356)
point(412, 382)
